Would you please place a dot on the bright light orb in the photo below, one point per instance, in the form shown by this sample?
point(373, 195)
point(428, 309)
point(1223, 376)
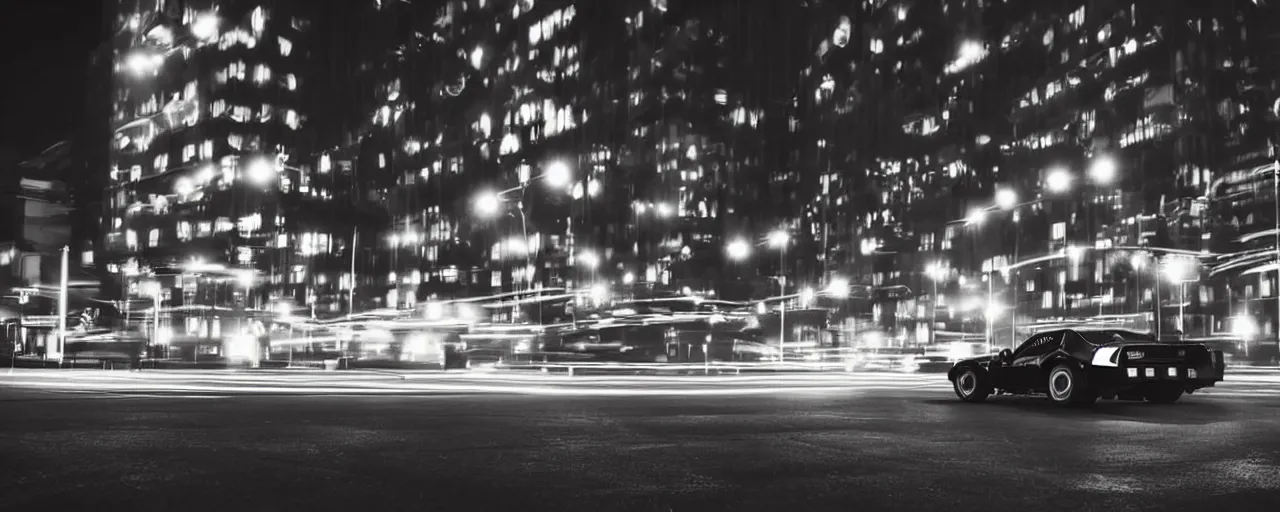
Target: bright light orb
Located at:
point(140, 63)
point(1058, 181)
point(976, 217)
point(806, 296)
point(599, 293)
point(1178, 270)
point(971, 51)
point(260, 171)
point(1103, 171)
point(558, 175)
point(488, 203)
point(738, 250)
point(838, 288)
point(1006, 198)
point(779, 238)
point(589, 259)
point(205, 27)
point(184, 187)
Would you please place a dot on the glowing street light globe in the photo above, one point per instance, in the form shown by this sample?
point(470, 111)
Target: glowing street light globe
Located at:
point(558, 174)
point(738, 250)
point(1006, 198)
point(976, 217)
point(1103, 170)
point(260, 171)
point(1058, 181)
point(487, 203)
point(779, 238)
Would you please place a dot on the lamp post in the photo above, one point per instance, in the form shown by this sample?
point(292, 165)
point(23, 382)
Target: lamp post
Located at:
point(489, 203)
point(936, 272)
point(1178, 270)
point(781, 239)
point(60, 342)
point(991, 304)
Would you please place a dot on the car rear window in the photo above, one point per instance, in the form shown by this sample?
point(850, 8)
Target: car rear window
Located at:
point(1105, 337)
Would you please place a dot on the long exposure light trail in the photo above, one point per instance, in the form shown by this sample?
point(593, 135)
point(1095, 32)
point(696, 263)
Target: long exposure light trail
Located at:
point(530, 383)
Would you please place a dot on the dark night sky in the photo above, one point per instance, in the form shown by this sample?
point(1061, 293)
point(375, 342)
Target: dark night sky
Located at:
point(46, 46)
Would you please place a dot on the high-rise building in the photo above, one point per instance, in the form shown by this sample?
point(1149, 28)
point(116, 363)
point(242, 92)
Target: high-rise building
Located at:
point(518, 144)
point(212, 182)
point(1028, 162)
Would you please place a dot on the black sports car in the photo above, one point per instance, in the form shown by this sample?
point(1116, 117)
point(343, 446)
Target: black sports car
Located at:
point(1079, 366)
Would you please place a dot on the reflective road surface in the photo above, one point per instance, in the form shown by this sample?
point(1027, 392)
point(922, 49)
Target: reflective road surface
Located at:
point(429, 441)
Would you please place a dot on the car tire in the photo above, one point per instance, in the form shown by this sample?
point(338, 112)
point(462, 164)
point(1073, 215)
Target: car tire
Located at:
point(1163, 394)
point(1067, 386)
point(972, 385)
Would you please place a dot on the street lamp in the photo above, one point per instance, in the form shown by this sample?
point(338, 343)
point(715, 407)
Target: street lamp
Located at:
point(936, 272)
point(1103, 170)
point(738, 250)
point(260, 171)
point(487, 203)
point(1058, 180)
point(1006, 199)
point(780, 239)
point(976, 217)
point(1178, 270)
point(558, 174)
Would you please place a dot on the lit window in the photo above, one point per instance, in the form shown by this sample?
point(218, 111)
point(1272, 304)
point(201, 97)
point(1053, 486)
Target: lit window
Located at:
point(153, 238)
point(286, 46)
point(261, 74)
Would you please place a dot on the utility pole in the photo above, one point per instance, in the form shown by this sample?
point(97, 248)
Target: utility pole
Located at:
point(1275, 199)
point(351, 293)
point(61, 342)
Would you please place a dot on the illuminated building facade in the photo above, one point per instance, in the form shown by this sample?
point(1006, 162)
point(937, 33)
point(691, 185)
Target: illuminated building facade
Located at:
point(211, 174)
point(964, 139)
point(615, 133)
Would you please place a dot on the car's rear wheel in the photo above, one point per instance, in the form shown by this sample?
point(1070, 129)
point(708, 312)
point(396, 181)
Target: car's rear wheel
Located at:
point(1067, 386)
point(1163, 394)
point(971, 385)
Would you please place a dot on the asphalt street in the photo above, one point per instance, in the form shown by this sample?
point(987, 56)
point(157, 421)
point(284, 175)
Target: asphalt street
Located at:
point(385, 441)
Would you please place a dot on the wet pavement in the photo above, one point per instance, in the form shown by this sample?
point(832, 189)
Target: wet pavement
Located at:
point(903, 443)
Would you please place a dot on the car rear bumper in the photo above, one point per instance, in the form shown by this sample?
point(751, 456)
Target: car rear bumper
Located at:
point(1140, 376)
